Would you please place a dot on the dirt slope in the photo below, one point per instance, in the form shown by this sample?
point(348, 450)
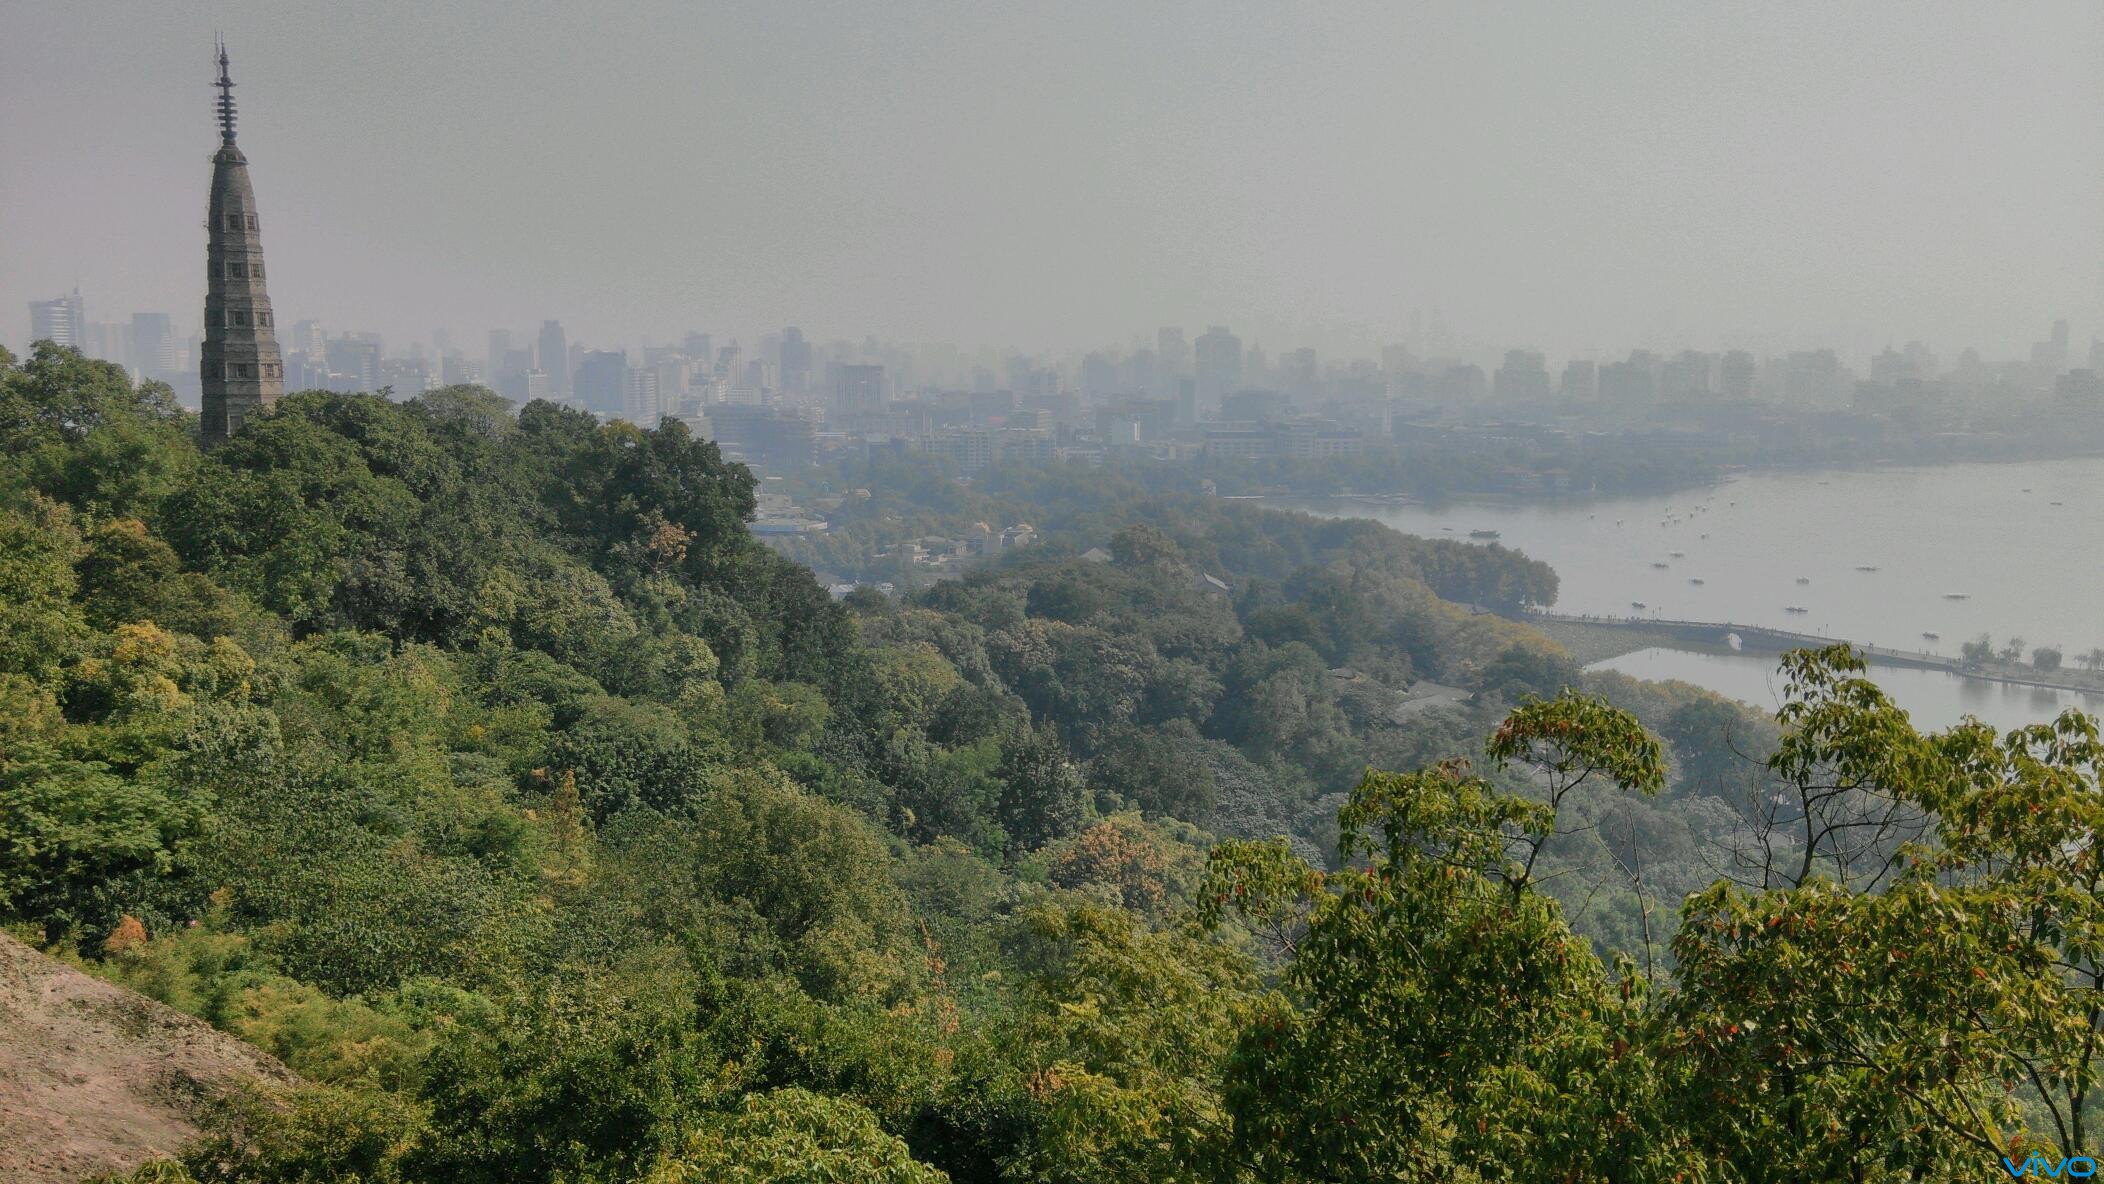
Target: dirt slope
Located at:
point(95, 1078)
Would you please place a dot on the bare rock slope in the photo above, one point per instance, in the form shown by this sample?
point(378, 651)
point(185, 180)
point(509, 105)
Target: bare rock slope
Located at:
point(95, 1078)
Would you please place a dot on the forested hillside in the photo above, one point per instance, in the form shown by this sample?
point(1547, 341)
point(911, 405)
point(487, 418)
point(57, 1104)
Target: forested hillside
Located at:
point(477, 764)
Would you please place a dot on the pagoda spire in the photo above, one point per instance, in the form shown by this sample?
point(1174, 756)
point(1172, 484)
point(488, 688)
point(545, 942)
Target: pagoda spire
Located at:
point(226, 98)
point(239, 367)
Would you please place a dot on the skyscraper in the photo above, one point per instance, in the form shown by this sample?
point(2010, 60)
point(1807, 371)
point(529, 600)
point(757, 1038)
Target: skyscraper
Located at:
point(1219, 364)
point(1736, 374)
point(555, 358)
point(60, 322)
point(153, 345)
point(1523, 377)
point(642, 402)
point(239, 368)
point(858, 390)
point(499, 351)
point(2050, 355)
point(796, 362)
point(1172, 357)
point(602, 383)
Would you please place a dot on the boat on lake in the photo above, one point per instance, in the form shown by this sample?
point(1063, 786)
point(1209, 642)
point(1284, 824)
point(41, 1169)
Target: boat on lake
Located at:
point(1957, 596)
point(1680, 554)
point(1795, 608)
point(1694, 579)
point(1804, 579)
point(1483, 534)
point(1659, 566)
point(1928, 636)
point(1866, 567)
point(1638, 604)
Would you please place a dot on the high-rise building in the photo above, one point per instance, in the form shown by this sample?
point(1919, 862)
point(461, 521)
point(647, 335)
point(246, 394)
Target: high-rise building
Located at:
point(310, 344)
point(1581, 381)
point(602, 383)
point(1298, 371)
point(1523, 376)
point(1219, 364)
point(153, 348)
point(1172, 353)
point(353, 364)
point(499, 350)
point(1143, 372)
point(1892, 367)
point(1735, 375)
point(239, 370)
point(554, 358)
point(2050, 355)
point(640, 397)
point(1686, 378)
point(1630, 385)
point(858, 389)
point(60, 322)
point(795, 362)
point(1098, 376)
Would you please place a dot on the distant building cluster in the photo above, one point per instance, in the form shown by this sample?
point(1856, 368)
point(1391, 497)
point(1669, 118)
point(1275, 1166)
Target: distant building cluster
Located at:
point(790, 401)
point(981, 541)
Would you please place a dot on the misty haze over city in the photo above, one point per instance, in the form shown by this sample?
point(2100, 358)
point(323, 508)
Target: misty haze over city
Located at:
point(1582, 180)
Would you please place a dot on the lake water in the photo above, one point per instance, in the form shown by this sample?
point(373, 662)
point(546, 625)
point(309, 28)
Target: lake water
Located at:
point(1933, 698)
point(2022, 543)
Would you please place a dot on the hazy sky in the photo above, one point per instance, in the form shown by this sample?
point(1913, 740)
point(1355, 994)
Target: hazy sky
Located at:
point(1570, 176)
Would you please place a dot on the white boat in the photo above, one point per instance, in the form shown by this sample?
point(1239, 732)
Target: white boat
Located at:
point(1483, 534)
point(1795, 608)
point(1957, 596)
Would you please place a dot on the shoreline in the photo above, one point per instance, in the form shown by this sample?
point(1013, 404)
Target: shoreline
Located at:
point(1602, 639)
point(1725, 475)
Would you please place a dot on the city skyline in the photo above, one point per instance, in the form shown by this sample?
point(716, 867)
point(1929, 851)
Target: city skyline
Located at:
point(845, 240)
